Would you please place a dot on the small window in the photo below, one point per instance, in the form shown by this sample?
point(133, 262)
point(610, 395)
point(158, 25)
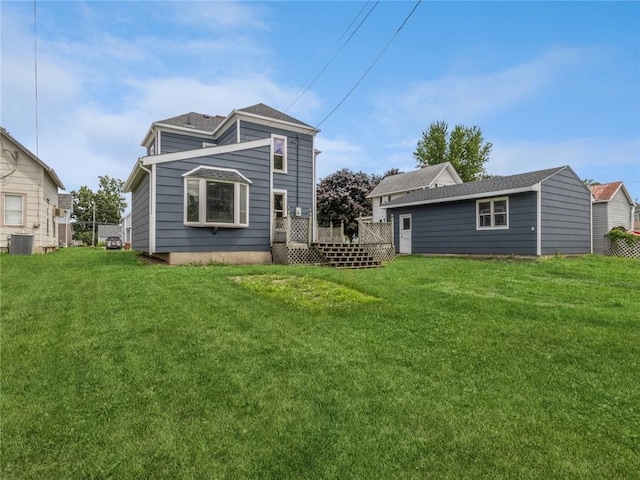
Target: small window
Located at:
point(279, 148)
point(13, 210)
point(152, 149)
point(216, 197)
point(492, 213)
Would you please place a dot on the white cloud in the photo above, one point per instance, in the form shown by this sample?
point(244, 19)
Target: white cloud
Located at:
point(338, 153)
point(463, 99)
point(582, 154)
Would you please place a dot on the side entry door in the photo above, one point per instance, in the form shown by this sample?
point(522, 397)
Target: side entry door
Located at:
point(405, 233)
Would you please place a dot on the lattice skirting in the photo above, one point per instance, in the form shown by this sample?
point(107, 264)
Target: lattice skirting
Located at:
point(381, 253)
point(620, 248)
point(285, 255)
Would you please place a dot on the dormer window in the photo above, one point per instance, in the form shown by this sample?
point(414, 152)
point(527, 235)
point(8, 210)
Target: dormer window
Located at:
point(279, 154)
point(216, 197)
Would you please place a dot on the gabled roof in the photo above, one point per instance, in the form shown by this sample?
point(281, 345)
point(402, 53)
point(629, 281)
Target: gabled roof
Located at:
point(204, 124)
point(492, 186)
point(266, 111)
point(65, 201)
point(404, 182)
point(606, 191)
point(197, 121)
point(46, 167)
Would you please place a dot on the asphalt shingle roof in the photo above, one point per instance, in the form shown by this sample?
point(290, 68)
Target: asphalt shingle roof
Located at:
point(490, 185)
point(269, 112)
point(197, 121)
point(403, 182)
point(218, 174)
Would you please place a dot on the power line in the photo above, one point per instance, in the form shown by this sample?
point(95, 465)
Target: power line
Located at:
point(35, 64)
point(372, 64)
point(306, 89)
point(353, 21)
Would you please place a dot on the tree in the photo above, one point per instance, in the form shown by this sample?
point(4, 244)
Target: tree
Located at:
point(590, 182)
point(341, 197)
point(109, 205)
point(464, 147)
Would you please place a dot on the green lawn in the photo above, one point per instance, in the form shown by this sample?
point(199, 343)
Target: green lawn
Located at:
point(427, 368)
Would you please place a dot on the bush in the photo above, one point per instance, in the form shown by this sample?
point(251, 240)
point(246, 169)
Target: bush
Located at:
point(620, 233)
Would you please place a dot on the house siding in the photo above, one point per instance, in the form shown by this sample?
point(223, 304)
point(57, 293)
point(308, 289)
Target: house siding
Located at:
point(173, 142)
point(229, 136)
point(30, 180)
point(298, 181)
point(171, 233)
point(450, 228)
point(600, 223)
point(140, 215)
point(620, 211)
point(566, 215)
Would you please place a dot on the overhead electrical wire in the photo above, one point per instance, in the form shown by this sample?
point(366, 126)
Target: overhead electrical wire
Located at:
point(353, 21)
point(306, 89)
point(35, 66)
point(372, 64)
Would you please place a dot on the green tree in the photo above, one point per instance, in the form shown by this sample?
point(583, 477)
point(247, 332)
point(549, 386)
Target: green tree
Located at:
point(342, 197)
point(109, 203)
point(465, 148)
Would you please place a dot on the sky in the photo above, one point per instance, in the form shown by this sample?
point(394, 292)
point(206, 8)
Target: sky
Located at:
point(547, 83)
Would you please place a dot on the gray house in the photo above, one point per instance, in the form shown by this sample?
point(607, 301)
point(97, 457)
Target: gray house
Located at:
point(536, 213)
point(612, 207)
point(209, 187)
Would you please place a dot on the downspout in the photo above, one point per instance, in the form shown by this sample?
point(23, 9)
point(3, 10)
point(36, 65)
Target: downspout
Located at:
point(539, 221)
point(152, 224)
point(297, 169)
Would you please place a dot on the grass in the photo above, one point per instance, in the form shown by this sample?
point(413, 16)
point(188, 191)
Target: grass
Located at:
point(427, 368)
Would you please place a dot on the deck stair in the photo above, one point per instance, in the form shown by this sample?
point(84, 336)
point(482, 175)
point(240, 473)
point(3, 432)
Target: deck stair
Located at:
point(346, 255)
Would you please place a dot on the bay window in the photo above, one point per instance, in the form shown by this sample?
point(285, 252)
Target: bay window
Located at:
point(216, 197)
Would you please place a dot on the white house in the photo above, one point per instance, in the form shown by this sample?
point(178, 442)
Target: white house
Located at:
point(612, 207)
point(28, 199)
point(395, 186)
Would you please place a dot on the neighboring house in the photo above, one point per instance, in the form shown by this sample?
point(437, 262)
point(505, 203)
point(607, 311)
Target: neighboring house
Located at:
point(126, 229)
point(210, 186)
point(105, 231)
point(537, 213)
point(28, 198)
point(395, 186)
point(636, 218)
point(612, 207)
point(65, 227)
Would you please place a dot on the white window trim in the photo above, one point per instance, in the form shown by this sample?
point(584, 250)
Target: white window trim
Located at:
point(284, 193)
point(202, 193)
point(284, 159)
point(23, 209)
point(492, 202)
point(208, 144)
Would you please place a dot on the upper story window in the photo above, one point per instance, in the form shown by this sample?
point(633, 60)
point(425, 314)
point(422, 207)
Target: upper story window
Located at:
point(13, 214)
point(216, 197)
point(152, 149)
point(492, 213)
point(279, 154)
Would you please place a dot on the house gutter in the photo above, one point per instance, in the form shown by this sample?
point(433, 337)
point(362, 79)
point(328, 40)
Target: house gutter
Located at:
point(152, 205)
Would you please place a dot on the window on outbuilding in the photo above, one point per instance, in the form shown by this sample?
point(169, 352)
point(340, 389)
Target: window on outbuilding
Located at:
point(216, 197)
point(492, 213)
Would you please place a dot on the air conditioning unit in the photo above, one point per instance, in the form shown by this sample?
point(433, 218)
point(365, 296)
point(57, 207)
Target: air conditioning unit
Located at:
point(21, 244)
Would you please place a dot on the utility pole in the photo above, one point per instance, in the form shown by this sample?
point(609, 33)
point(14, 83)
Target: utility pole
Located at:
point(93, 234)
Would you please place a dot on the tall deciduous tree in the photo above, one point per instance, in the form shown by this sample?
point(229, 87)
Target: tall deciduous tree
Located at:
point(109, 203)
point(464, 147)
point(342, 197)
